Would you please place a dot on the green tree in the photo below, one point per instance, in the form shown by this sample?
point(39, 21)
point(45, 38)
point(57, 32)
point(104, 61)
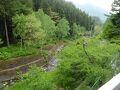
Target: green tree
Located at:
point(112, 26)
point(67, 10)
point(108, 26)
point(63, 28)
point(5, 10)
point(48, 25)
point(9, 8)
point(74, 68)
point(36, 5)
point(54, 15)
point(97, 30)
point(115, 6)
point(81, 30)
point(74, 30)
point(77, 30)
point(28, 29)
point(115, 18)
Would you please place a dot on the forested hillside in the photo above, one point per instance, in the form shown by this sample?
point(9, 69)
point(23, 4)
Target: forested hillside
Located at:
point(52, 45)
point(55, 9)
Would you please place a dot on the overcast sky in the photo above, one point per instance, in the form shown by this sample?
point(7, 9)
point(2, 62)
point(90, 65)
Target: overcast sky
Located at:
point(104, 4)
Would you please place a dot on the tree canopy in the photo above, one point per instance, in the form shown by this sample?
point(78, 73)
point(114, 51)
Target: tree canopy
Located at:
point(29, 29)
point(112, 26)
point(62, 29)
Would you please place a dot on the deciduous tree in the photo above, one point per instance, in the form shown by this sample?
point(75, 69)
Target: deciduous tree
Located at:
point(28, 29)
point(63, 28)
point(48, 25)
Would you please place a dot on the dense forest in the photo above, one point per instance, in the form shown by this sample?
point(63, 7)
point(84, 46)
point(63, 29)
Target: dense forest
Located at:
point(55, 10)
point(89, 54)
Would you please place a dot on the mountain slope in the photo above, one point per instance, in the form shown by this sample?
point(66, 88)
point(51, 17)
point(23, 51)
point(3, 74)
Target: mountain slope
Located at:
point(94, 11)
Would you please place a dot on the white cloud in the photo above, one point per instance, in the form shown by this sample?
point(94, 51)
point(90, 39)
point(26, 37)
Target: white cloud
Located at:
point(104, 4)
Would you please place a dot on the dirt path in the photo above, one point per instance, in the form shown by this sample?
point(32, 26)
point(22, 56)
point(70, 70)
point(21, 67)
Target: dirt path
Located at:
point(17, 62)
point(9, 69)
point(15, 68)
point(11, 73)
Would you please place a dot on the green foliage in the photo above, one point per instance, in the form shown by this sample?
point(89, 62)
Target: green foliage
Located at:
point(55, 10)
point(34, 79)
point(111, 32)
point(29, 29)
point(44, 54)
point(25, 7)
point(112, 26)
point(36, 5)
point(7, 9)
point(74, 68)
point(47, 24)
point(115, 19)
point(14, 51)
point(54, 15)
point(81, 63)
point(63, 28)
point(108, 29)
point(77, 30)
point(65, 9)
point(10, 8)
point(97, 30)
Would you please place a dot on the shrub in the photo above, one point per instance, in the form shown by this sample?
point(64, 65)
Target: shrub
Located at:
point(15, 51)
point(34, 79)
point(75, 69)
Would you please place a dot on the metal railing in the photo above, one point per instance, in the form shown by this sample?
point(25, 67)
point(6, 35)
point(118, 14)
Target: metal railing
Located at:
point(113, 84)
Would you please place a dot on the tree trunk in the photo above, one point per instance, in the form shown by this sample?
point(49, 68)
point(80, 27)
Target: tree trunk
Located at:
point(21, 43)
point(6, 32)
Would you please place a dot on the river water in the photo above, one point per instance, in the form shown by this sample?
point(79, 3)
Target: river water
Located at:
point(53, 61)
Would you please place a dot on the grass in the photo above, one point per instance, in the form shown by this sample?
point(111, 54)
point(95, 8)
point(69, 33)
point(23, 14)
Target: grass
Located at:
point(74, 70)
point(7, 53)
point(34, 79)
